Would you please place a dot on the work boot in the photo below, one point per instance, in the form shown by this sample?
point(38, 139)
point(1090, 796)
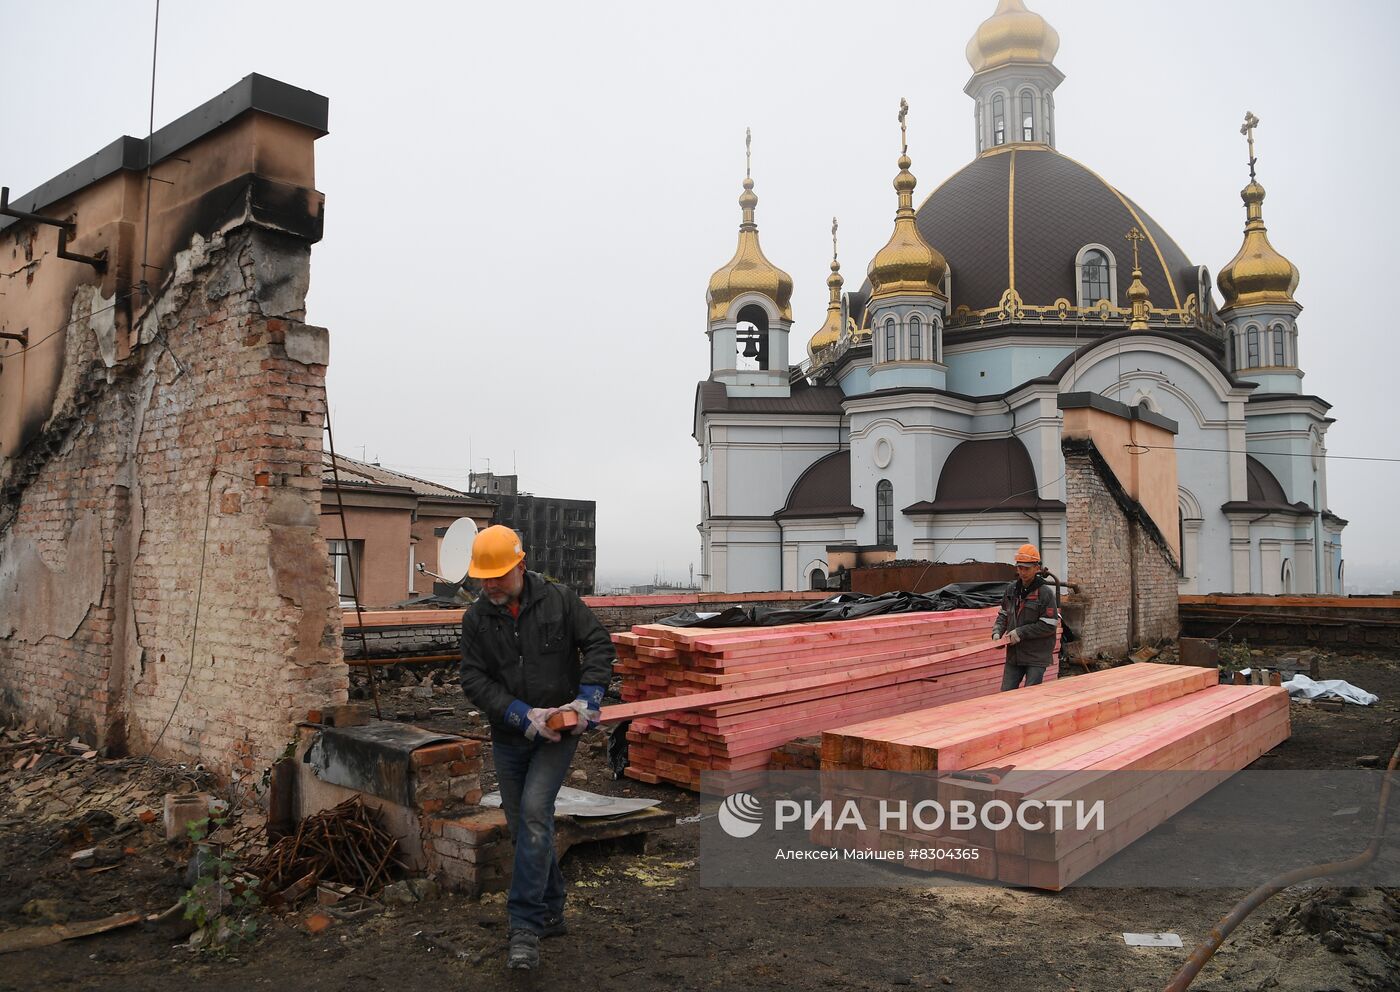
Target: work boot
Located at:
point(555, 926)
point(524, 951)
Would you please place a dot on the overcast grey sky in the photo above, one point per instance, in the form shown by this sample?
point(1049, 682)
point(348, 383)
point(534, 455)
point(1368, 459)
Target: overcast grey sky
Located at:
point(524, 201)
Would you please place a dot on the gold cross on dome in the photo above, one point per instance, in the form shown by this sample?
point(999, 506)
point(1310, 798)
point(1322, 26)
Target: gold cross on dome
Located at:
point(903, 126)
point(833, 239)
point(1247, 129)
point(748, 153)
point(1135, 236)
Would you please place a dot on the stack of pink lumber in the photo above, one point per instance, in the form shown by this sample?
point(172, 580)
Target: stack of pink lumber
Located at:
point(1146, 740)
point(765, 686)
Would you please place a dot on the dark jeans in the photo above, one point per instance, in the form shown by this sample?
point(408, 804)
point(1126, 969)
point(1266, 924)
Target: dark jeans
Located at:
point(1011, 675)
point(529, 775)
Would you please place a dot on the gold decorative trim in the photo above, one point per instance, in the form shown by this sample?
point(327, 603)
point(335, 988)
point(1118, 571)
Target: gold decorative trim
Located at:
point(1011, 225)
point(1012, 309)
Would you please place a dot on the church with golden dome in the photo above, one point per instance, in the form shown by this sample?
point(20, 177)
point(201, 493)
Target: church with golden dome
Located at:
point(922, 418)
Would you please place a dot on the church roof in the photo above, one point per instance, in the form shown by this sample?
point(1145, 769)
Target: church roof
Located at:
point(989, 474)
point(823, 490)
point(1017, 217)
point(712, 397)
point(1265, 493)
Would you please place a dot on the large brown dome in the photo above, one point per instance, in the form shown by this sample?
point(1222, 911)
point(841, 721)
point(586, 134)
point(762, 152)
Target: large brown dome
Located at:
point(995, 241)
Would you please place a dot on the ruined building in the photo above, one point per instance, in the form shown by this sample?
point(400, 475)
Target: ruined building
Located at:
point(558, 535)
point(164, 586)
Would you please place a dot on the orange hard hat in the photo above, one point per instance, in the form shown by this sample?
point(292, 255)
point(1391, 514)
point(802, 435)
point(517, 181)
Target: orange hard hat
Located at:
point(495, 552)
point(1028, 554)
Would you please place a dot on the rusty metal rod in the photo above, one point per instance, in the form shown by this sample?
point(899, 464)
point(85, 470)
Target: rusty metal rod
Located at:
point(1206, 949)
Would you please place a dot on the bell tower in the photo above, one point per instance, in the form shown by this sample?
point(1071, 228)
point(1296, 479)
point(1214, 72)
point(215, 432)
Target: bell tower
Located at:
point(749, 304)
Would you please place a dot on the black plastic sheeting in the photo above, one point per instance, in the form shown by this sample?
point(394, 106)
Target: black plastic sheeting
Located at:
point(851, 606)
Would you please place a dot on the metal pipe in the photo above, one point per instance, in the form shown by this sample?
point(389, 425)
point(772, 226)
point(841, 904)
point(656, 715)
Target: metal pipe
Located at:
point(9, 211)
point(1187, 974)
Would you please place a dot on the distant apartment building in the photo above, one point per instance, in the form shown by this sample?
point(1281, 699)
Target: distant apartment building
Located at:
point(558, 535)
point(395, 522)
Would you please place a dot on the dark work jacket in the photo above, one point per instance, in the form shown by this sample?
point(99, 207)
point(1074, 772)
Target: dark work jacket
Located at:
point(1034, 612)
point(540, 658)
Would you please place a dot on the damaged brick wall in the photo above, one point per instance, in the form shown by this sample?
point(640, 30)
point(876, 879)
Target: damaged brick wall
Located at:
point(1124, 569)
point(163, 582)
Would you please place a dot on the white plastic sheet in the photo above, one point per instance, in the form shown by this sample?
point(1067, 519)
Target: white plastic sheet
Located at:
point(577, 802)
point(1303, 687)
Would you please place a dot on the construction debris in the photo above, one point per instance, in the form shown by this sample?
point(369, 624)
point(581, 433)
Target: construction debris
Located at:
point(345, 844)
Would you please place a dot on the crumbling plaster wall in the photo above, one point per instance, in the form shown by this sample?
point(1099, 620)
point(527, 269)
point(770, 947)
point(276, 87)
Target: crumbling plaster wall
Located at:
point(163, 584)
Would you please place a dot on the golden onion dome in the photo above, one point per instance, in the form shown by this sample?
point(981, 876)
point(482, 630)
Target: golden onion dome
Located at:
point(907, 264)
point(749, 271)
point(1012, 34)
point(830, 331)
point(1257, 273)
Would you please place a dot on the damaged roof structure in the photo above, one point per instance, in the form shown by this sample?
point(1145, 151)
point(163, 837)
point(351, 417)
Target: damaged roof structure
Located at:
point(164, 586)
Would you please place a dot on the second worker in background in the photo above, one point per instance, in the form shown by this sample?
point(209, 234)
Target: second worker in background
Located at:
point(1029, 618)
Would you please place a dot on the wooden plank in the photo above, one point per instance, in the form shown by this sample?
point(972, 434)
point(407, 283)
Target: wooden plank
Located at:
point(894, 672)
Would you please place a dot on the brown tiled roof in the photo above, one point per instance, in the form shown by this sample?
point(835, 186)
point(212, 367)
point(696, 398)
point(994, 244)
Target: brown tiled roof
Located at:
point(825, 400)
point(990, 474)
point(823, 490)
point(1060, 206)
point(364, 475)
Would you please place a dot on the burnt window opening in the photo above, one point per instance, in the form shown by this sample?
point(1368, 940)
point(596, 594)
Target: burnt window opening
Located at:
point(751, 340)
point(818, 579)
point(884, 513)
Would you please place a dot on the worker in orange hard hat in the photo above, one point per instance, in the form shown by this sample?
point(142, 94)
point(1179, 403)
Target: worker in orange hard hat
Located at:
point(530, 648)
point(1028, 619)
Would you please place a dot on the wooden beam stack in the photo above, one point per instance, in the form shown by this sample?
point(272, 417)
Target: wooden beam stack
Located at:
point(1147, 740)
point(766, 686)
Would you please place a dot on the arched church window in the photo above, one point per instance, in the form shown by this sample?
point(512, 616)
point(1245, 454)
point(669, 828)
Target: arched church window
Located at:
point(884, 512)
point(1279, 346)
point(916, 332)
point(890, 351)
point(998, 120)
point(1252, 348)
point(1093, 278)
point(818, 579)
point(1027, 116)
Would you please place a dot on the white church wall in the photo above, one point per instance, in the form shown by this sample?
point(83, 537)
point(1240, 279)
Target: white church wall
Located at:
point(992, 368)
point(751, 556)
point(756, 465)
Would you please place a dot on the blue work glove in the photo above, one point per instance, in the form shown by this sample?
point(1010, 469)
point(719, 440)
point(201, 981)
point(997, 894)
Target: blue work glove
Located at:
point(530, 720)
point(587, 706)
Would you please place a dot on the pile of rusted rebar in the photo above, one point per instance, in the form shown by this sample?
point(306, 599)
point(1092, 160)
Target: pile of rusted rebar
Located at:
point(345, 844)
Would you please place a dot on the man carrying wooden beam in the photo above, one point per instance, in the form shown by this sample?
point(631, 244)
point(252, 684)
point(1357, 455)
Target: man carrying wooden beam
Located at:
point(1029, 619)
point(530, 650)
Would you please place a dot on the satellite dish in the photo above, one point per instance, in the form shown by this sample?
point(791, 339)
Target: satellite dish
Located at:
point(455, 552)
